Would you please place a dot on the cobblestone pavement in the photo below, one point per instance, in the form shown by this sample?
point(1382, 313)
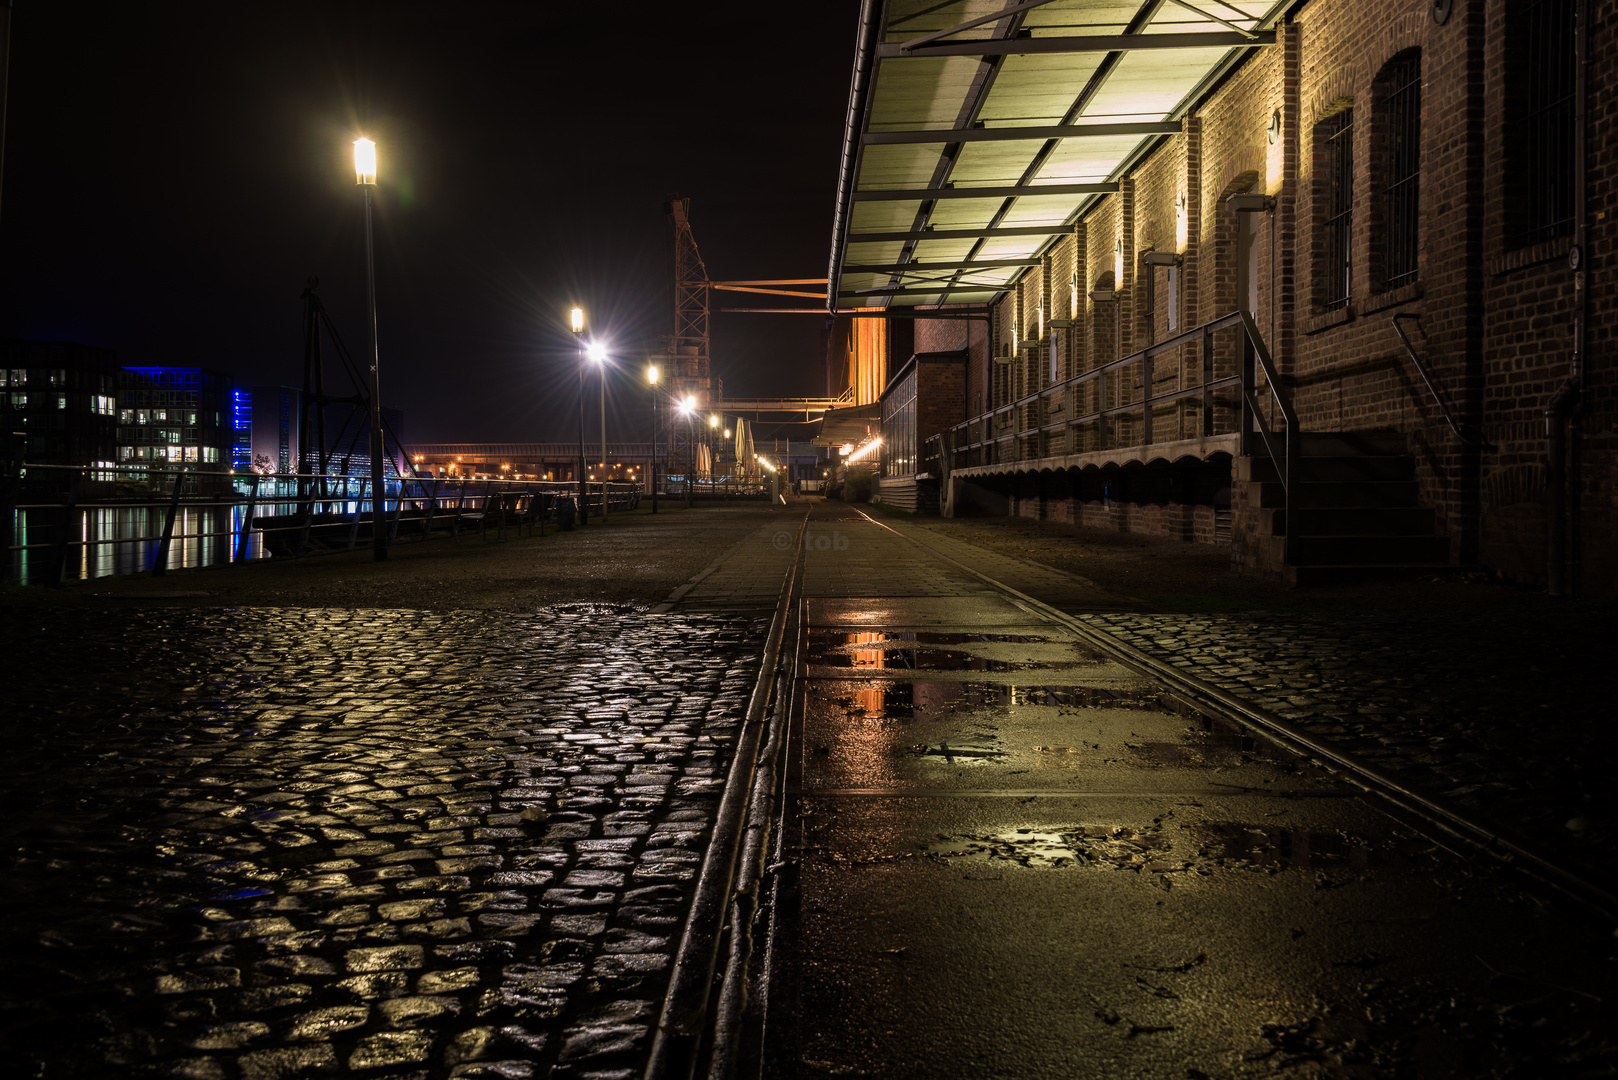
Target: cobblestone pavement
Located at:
point(1505, 712)
point(271, 842)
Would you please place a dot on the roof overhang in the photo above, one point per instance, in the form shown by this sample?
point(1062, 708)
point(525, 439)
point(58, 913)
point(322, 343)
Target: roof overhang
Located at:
point(978, 131)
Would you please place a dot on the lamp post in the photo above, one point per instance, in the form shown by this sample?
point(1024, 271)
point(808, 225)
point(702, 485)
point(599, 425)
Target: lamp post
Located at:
point(688, 408)
point(599, 355)
point(365, 179)
point(578, 334)
point(651, 377)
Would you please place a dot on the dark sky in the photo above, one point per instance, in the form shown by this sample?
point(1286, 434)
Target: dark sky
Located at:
point(174, 172)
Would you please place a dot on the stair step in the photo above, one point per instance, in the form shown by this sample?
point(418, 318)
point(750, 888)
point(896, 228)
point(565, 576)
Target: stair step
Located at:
point(1350, 573)
point(1350, 521)
point(1354, 444)
point(1335, 468)
point(1368, 550)
point(1392, 494)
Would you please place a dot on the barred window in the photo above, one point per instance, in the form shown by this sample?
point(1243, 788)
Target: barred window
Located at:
point(1541, 66)
point(1400, 167)
point(1337, 137)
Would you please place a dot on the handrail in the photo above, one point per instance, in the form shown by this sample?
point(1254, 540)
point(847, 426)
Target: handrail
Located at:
point(1432, 385)
point(1284, 446)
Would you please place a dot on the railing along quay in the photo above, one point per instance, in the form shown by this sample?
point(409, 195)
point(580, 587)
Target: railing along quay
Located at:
point(81, 522)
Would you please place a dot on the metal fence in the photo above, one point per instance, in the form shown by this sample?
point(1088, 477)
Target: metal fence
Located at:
point(77, 522)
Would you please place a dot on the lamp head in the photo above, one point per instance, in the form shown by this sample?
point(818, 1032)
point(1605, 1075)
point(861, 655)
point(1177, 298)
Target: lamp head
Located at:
point(578, 320)
point(364, 162)
point(713, 421)
point(596, 351)
point(652, 374)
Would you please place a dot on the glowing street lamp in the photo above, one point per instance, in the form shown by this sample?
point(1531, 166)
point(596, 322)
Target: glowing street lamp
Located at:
point(577, 321)
point(365, 179)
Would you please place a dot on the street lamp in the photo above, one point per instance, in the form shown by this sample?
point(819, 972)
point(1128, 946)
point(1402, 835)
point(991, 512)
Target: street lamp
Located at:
point(578, 334)
point(688, 408)
point(365, 179)
point(651, 377)
point(599, 354)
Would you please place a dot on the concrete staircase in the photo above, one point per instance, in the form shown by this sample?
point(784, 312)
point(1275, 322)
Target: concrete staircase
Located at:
point(1356, 512)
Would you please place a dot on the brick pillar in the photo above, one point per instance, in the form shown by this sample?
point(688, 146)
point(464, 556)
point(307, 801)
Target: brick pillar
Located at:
point(1290, 35)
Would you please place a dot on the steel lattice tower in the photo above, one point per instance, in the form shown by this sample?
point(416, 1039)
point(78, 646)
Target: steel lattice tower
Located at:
point(688, 360)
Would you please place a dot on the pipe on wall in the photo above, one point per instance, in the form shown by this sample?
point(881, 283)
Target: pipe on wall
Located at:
point(1565, 402)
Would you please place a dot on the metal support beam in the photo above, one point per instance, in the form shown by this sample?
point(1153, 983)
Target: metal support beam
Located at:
point(1025, 134)
point(1015, 191)
point(916, 267)
point(958, 234)
point(923, 290)
point(1089, 43)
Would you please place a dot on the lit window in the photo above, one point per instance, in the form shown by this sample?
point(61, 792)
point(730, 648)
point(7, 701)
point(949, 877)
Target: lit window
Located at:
point(61, 401)
point(58, 377)
point(19, 376)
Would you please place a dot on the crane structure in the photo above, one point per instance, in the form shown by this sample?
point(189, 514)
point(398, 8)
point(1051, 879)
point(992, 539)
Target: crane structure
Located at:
point(692, 442)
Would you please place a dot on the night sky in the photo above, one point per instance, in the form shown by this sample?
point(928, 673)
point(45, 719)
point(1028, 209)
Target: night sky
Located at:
point(174, 172)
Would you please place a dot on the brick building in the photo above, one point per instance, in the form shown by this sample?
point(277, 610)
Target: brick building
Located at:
point(1322, 282)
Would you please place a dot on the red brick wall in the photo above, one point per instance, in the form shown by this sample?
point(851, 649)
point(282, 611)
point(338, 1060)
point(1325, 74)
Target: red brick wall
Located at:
point(1495, 321)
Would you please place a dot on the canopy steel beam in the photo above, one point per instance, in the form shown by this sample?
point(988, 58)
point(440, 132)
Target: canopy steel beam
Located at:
point(1226, 39)
point(918, 267)
point(1014, 191)
point(923, 290)
point(958, 234)
point(1017, 134)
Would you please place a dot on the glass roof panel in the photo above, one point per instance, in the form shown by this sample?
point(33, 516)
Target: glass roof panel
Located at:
point(883, 216)
point(897, 168)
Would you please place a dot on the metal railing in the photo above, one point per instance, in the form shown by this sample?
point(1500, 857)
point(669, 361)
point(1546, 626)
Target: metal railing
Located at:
point(1259, 409)
point(86, 522)
point(1433, 387)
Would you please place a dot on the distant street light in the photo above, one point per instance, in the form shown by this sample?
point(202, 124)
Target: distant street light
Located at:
point(688, 409)
point(651, 377)
point(578, 334)
point(598, 353)
point(365, 179)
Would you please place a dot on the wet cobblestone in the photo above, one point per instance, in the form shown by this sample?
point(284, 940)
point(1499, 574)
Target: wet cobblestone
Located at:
point(272, 842)
point(1504, 717)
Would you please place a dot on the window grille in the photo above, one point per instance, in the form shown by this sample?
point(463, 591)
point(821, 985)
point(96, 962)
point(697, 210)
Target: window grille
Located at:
point(1401, 169)
point(1547, 58)
point(1339, 136)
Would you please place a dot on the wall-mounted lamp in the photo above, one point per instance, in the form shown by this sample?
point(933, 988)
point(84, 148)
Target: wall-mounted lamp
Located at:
point(1161, 258)
point(1103, 296)
point(1273, 132)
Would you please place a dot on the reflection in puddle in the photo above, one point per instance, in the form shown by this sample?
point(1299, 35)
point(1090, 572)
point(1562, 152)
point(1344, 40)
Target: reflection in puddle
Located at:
point(886, 702)
point(1101, 847)
point(960, 755)
point(925, 650)
point(1204, 848)
point(1273, 846)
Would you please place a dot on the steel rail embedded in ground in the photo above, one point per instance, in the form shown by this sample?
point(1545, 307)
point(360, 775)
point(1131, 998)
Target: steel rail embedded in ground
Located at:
point(1427, 809)
point(684, 1021)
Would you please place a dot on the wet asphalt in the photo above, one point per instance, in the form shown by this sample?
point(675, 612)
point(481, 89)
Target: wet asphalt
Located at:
point(1022, 859)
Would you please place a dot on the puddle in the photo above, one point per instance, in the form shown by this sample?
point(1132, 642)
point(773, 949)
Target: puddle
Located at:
point(954, 754)
point(1099, 847)
point(925, 650)
point(898, 701)
point(1277, 847)
point(1202, 849)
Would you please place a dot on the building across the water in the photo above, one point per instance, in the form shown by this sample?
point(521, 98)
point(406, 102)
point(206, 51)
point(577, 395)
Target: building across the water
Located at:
point(61, 398)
